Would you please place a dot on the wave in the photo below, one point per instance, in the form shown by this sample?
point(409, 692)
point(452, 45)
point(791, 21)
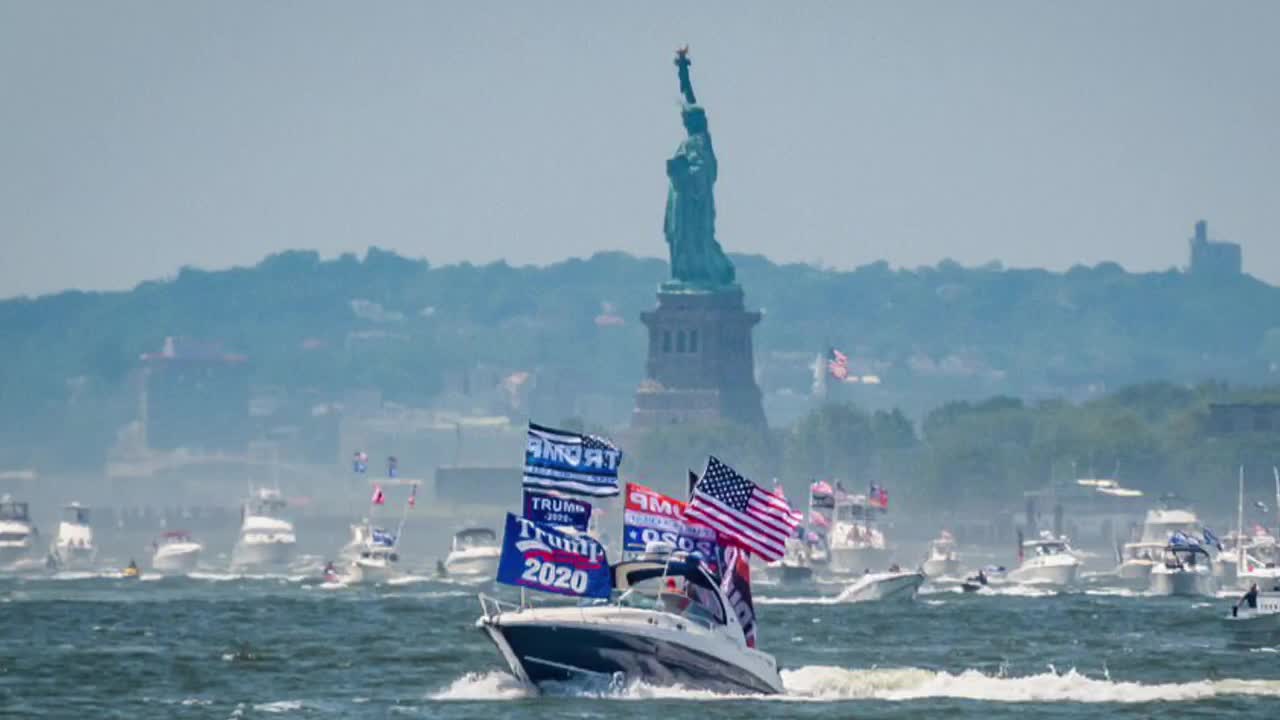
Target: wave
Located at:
point(819, 683)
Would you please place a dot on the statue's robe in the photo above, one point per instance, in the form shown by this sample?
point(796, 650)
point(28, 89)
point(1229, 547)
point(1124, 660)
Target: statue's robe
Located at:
point(690, 222)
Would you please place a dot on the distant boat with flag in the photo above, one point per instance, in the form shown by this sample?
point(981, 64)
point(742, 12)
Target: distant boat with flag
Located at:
point(17, 534)
point(73, 548)
point(373, 553)
point(672, 616)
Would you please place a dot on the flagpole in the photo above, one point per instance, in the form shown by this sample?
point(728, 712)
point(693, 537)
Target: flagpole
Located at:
point(1240, 525)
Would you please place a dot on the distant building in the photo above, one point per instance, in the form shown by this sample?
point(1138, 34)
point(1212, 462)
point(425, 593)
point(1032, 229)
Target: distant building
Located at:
point(1211, 259)
point(196, 396)
point(1233, 418)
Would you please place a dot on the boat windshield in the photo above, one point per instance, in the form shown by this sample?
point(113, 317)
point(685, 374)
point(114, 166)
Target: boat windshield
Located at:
point(1053, 548)
point(14, 511)
point(474, 537)
point(76, 514)
point(678, 597)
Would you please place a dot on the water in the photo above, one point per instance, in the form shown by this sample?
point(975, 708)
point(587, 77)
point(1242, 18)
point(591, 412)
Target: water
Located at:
point(222, 646)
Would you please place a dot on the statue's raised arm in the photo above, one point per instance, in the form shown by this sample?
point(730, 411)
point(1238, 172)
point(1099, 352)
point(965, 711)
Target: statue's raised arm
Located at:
point(689, 224)
point(682, 69)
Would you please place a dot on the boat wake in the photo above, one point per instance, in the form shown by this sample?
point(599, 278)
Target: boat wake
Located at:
point(819, 683)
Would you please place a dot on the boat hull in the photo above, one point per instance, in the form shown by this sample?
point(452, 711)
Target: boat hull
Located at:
point(1182, 583)
point(73, 558)
point(941, 567)
point(14, 555)
point(176, 561)
point(857, 560)
point(474, 566)
point(1135, 571)
point(883, 586)
point(540, 654)
point(792, 574)
point(262, 556)
point(1060, 575)
point(371, 573)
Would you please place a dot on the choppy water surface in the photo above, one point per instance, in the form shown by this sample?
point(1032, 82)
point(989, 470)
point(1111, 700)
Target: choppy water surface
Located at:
point(221, 646)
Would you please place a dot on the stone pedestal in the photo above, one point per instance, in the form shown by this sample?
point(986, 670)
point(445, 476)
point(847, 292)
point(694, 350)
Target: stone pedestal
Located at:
point(701, 367)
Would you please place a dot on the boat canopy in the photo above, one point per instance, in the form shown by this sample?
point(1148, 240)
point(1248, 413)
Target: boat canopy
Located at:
point(77, 513)
point(12, 510)
point(628, 573)
point(475, 535)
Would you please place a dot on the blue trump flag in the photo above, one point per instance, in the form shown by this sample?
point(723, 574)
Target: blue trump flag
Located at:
point(570, 462)
point(540, 557)
point(555, 510)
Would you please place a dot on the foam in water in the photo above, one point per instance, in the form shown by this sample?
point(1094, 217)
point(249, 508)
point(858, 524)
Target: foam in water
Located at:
point(818, 683)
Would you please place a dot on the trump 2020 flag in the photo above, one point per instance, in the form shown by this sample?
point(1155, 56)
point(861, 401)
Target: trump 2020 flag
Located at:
point(555, 510)
point(540, 557)
point(650, 516)
point(570, 462)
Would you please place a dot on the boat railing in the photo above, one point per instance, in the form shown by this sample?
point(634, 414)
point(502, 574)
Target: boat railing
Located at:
point(491, 607)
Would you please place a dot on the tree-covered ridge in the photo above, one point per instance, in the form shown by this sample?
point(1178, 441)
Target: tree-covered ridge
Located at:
point(410, 329)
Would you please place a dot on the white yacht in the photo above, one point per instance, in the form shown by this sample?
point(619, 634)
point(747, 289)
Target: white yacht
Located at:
point(474, 552)
point(942, 559)
point(377, 561)
point(669, 624)
point(892, 585)
point(794, 566)
point(1047, 560)
point(359, 539)
point(267, 540)
point(856, 545)
point(1186, 569)
point(17, 534)
point(1137, 559)
point(175, 552)
point(73, 548)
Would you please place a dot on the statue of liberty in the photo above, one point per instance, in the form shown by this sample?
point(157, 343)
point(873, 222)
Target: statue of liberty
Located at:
point(690, 223)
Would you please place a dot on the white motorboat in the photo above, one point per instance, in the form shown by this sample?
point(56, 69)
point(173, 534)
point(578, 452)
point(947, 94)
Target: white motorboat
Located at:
point(377, 561)
point(73, 548)
point(942, 559)
point(855, 544)
point(1137, 559)
point(891, 585)
point(1047, 560)
point(474, 552)
point(1187, 569)
point(17, 534)
point(656, 633)
point(358, 541)
point(175, 552)
point(267, 540)
point(794, 566)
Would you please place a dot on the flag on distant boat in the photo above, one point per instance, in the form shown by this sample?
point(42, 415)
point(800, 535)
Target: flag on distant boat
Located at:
point(382, 537)
point(570, 462)
point(359, 461)
point(821, 495)
point(378, 498)
point(837, 364)
point(393, 467)
point(1211, 539)
point(742, 512)
point(413, 496)
point(818, 519)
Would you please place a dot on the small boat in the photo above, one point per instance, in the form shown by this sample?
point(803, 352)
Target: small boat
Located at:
point(794, 567)
point(331, 574)
point(131, 572)
point(1187, 569)
point(1047, 560)
point(992, 574)
point(895, 584)
point(73, 548)
point(17, 534)
point(653, 631)
point(942, 559)
point(474, 552)
point(175, 552)
point(855, 544)
point(1137, 559)
point(267, 540)
point(377, 561)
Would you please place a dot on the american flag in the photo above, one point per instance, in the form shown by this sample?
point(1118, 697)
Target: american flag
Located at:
point(742, 512)
point(838, 364)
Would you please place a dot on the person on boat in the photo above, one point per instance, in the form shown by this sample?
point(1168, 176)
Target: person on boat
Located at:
point(330, 571)
point(133, 566)
point(1250, 598)
point(895, 568)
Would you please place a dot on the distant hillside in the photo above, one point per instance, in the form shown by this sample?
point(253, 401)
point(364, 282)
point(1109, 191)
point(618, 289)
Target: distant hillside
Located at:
point(413, 331)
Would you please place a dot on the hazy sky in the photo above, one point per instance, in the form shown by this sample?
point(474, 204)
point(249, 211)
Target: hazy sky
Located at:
point(137, 137)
